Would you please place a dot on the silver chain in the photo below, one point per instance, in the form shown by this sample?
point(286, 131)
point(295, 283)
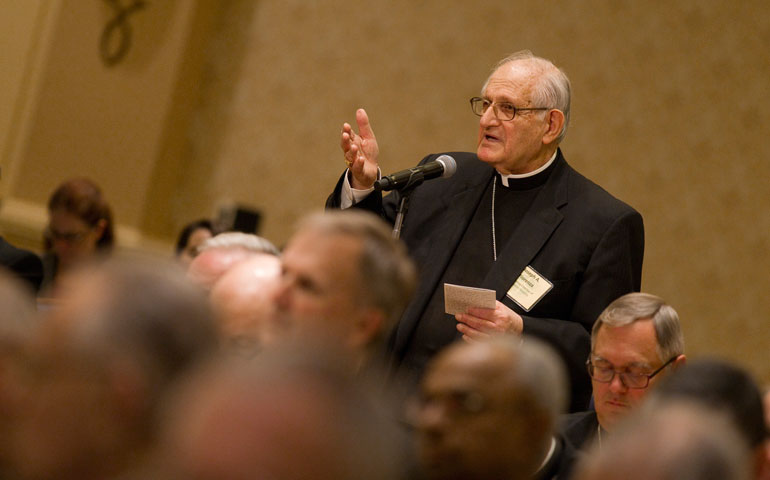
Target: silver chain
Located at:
point(494, 238)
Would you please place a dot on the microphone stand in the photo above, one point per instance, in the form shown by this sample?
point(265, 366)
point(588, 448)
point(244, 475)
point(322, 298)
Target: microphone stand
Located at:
point(415, 180)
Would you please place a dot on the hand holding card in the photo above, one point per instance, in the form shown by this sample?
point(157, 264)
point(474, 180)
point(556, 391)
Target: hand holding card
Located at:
point(458, 298)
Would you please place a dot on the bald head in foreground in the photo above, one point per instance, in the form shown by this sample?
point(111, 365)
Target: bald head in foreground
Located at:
point(487, 411)
point(294, 414)
point(242, 300)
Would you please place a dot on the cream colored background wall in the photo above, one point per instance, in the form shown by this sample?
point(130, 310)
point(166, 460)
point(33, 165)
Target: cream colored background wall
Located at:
point(669, 111)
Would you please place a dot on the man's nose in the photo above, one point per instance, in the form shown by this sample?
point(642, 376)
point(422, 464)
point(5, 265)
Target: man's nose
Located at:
point(617, 385)
point(489, 117)
point(281, 293)
point(431, 417)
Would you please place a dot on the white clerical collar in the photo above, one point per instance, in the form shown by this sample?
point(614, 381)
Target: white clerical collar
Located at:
point(550, 452)
point(506, 178)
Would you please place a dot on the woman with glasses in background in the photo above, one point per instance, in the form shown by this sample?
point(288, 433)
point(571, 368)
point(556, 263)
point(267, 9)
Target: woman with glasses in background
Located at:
point(80, 225)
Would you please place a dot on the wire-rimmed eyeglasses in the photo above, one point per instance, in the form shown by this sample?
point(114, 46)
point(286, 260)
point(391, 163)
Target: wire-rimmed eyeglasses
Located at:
point(629, 379)
point(502, 110)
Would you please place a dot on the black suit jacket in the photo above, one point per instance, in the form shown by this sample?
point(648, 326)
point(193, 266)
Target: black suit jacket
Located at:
point(23, 263)
point(586, 242)
point(579, 430)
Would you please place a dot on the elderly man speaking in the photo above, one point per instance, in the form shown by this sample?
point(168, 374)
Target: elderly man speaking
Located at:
point(514, 218)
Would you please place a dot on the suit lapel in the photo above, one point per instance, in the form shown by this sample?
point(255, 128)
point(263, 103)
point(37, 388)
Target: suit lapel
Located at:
point(533, 231)
point(459, 207)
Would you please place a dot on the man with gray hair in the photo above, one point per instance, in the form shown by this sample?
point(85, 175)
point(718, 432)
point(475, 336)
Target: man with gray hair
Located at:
point(219, 253)
point(345, 279)
point(634, 342)
point(488, 411)
point(514, 218)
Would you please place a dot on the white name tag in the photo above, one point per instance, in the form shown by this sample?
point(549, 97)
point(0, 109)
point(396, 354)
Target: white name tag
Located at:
point(529, 288)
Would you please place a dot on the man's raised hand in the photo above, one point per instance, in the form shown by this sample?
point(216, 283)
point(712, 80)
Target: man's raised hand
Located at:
point(361, 151)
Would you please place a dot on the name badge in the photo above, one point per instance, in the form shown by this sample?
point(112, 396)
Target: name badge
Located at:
point(529, 288)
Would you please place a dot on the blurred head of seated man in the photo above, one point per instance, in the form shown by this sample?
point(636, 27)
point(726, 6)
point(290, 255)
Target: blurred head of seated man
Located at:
point(487, 411)
point(18, 326)
point(727, 388)
point(675, 441)
point(218, 254)
point(635, 341)
point(295, 414)
point(344, 278)
point(110, 348)
point(242, 300)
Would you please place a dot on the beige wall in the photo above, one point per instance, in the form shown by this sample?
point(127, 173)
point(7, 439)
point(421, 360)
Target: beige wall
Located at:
point(669, 111)
point(73, 115)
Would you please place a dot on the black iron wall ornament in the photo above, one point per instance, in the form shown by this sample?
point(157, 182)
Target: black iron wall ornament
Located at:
point(116, 36)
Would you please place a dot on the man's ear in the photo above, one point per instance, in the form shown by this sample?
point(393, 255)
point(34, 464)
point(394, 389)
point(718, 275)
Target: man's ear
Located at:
point(367, 327)
point(680, 361)
point(100, 227)
point(555, 120)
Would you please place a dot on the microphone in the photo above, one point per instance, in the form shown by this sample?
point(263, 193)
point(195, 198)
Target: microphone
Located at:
point(444, 166)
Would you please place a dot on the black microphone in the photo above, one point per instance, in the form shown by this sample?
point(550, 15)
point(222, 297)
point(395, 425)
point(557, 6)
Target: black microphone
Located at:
point(444, 166)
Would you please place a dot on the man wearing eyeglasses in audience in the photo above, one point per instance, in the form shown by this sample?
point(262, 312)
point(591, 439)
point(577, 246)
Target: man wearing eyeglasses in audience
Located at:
point(634, 342)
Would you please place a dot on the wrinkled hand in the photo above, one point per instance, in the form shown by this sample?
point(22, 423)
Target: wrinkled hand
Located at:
point(482, 323)
point(361, 151)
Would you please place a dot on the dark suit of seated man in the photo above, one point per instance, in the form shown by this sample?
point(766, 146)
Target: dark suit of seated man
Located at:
point(23, 263)
point(515, 218)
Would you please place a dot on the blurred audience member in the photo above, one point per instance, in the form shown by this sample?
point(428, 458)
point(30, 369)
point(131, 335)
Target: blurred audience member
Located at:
point(18, 326)
point(295, 414)
point(727, 388)
point(24, 264)
point(488, 411)
point(221, 252)
point(634, 342)
point(79, 225)
point(242, 299)
point(190, 238)
point(344, 278)
point(123, 333)
point(765, 475)
point(676, 441)
point(766, 402)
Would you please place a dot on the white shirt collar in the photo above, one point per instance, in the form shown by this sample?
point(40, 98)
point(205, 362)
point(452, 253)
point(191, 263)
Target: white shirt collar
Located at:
point(506, 178)
point(548, 455)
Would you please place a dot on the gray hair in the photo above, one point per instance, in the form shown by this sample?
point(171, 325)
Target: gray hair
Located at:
point(553, 89)
point(387, 276)
point(239, 240)
point(642, 306)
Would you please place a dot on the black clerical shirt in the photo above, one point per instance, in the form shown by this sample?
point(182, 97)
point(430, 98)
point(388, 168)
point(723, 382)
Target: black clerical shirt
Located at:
point(472, 260)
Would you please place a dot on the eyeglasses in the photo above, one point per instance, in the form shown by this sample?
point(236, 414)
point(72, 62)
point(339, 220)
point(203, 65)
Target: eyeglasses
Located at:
point(68, 237)
point(503, 110)
point(630, 380)
point(456, 405)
